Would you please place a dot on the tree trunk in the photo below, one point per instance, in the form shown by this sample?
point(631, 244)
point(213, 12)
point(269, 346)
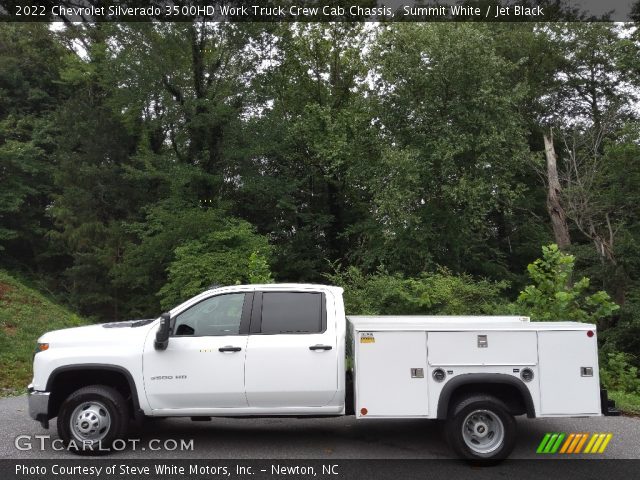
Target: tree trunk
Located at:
point(554, 190)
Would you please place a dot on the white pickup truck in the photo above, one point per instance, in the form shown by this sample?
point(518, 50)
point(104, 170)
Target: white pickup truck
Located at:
point(282, 349)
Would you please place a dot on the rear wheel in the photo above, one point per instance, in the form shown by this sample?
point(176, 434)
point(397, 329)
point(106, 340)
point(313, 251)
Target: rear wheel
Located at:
point(91, 418)
point(480, 427)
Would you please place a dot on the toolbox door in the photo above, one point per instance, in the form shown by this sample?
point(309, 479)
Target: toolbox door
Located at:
point(569, 380)
point(390, 374)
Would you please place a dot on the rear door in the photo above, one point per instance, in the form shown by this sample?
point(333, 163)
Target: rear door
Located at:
point(292, 355)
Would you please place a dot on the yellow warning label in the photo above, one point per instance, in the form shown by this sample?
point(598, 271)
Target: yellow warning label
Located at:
point(367, 339)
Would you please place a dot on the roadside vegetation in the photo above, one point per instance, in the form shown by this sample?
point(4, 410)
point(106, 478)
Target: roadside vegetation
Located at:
point(25, 314)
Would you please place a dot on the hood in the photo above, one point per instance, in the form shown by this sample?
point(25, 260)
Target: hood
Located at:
point(114, 332)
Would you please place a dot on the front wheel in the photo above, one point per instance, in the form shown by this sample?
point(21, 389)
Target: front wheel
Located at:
point(480, 427)
point(91, 418)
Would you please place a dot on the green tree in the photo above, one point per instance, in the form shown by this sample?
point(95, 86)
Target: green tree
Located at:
point(453, 149)
point(184, 86)
point(221, 257)
point(585, 99)
point(147, 137)
point(554, 296)
point(312, 131)
point(93, 195)
point(30, 88)
point(152, 242)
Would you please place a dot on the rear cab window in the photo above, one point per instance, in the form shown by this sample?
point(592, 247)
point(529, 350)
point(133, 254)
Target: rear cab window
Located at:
point(292, 312)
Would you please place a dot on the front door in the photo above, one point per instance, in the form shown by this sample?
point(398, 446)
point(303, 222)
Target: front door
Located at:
point(203, 365)
point(292, 354)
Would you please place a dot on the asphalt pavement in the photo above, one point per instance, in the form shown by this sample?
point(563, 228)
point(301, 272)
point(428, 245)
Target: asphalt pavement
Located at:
point(293, 438)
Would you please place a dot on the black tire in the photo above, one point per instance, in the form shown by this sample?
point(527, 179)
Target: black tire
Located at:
point(92, 402)
point(491, 418)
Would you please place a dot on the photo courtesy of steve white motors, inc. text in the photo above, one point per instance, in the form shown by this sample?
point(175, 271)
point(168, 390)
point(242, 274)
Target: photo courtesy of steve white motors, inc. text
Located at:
point(162, 469)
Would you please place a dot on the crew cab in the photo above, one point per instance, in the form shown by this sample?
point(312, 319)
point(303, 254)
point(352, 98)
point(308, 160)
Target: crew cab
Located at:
point(282, 349)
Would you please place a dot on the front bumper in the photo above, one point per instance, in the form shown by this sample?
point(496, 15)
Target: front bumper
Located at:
point(39, 406)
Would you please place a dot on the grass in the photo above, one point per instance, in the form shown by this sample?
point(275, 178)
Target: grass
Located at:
point(628, 403)
point(25, 314)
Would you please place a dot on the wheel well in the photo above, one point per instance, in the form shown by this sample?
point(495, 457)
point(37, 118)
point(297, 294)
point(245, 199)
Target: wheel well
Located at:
point(512, 392)
point(64, 383)
point(508, 394)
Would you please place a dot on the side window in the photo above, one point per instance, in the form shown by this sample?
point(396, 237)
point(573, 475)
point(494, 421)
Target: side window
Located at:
point(219, 315)
point(291, 312)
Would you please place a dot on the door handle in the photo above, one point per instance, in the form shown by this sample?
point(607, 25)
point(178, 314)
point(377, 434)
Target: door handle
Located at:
point(229, 348)
point(320, 347)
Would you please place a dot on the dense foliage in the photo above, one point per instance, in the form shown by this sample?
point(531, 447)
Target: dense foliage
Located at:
point(437, 293)
point(140, 163)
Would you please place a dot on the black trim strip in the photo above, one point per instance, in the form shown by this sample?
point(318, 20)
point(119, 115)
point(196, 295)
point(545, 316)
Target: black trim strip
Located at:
point(245, 321)
point(256, 313)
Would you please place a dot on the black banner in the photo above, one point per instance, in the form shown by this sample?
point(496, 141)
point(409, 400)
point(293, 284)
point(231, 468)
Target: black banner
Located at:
point(124, 469)
point(318, 10)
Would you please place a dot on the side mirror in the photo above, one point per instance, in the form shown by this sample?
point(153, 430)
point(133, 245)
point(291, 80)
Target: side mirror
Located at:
point(162, 335)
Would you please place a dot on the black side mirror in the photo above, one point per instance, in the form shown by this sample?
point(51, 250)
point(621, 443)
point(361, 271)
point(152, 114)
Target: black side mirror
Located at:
point(162, 335)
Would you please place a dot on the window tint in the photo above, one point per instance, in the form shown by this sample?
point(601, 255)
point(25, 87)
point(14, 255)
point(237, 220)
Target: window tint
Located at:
point(219, 315)
point(291, 312)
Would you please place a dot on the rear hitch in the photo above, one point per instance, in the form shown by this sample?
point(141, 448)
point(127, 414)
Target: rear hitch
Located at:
point(608, 406)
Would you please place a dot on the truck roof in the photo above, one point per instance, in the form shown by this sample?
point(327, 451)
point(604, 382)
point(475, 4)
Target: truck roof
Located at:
point(279, 286)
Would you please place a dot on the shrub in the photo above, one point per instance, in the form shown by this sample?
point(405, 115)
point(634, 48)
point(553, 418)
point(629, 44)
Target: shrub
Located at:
point(439, 293)
point(553, 296)
point(617, 373)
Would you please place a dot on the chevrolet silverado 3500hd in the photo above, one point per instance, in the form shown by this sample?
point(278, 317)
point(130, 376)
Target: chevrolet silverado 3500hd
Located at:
point(280, 349)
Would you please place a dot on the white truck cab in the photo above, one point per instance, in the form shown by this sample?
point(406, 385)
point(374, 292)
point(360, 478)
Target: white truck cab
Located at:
point(280, 349)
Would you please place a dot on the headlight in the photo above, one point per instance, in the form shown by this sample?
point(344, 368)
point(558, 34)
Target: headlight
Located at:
point(41, 347)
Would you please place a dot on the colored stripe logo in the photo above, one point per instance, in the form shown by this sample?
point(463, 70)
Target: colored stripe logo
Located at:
point(573, 443)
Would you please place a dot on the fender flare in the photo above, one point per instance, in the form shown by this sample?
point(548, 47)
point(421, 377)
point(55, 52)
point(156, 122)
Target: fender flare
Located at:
point(99, 366)
point(483, 379)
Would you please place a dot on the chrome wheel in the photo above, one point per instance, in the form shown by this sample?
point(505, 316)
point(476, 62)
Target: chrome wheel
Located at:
point(483, 432)
point(90, 422)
